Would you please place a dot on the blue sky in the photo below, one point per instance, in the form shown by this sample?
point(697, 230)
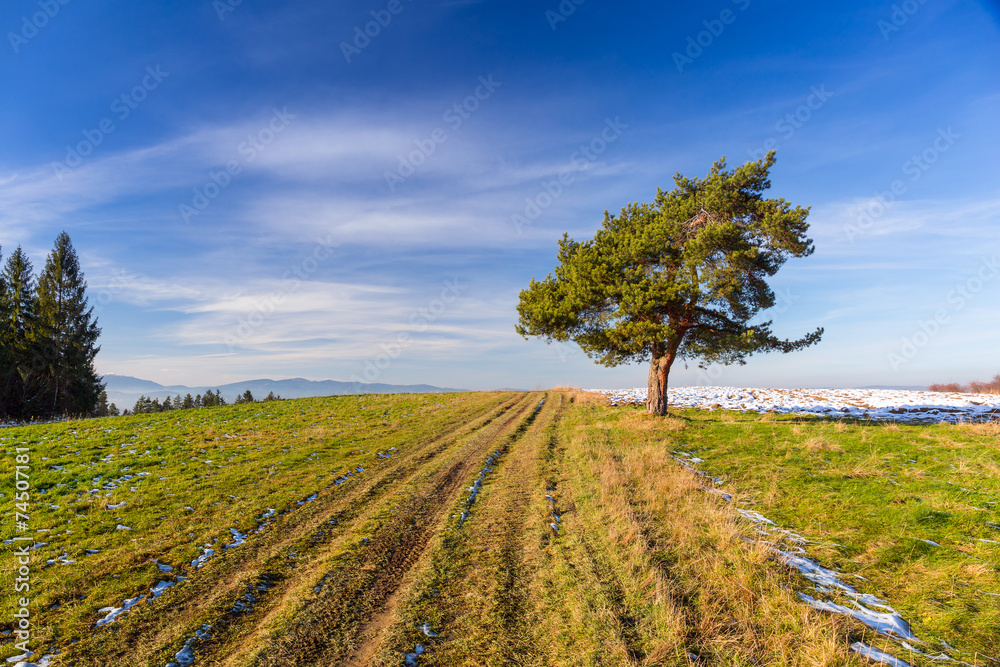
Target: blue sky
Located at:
point(263, 190)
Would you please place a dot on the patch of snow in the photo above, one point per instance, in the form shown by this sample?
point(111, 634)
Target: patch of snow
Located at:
point(160, 587)
point(411, 658)
point(238, 539)
point(185, 657)
point(756, 517)
point(115, 612)
point(203, 558)
point(877, 655)
point(477, 485)
point(885, 623)
point(719, 492)
point(876, 404)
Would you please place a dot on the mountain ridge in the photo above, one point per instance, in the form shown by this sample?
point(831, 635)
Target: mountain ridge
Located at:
point(124, 390)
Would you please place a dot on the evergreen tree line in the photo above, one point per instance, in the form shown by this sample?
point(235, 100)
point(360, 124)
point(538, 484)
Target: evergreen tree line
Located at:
point(146, 405)
point(48, 338)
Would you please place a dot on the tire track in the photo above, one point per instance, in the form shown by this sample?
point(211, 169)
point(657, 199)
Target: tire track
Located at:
point(510, 602)
point(501, 530)
point(476, 585)
point(307, 533)
point(625, 620)
point(344, 625)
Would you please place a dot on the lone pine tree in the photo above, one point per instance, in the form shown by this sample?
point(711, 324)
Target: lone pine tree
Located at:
point(680, 278)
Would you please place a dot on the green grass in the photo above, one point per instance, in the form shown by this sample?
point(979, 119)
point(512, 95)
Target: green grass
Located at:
point(207, 471)
point(866, 494)
point(646, 569)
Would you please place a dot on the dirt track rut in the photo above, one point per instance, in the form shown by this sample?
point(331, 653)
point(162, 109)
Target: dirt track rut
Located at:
point(344, 624)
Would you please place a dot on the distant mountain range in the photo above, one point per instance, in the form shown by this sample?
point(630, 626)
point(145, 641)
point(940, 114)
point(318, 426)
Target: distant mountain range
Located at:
point(896, 387)
point(123, 390)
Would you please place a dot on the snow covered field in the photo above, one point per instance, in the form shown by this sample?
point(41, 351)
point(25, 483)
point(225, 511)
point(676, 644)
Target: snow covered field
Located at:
point(881, 404)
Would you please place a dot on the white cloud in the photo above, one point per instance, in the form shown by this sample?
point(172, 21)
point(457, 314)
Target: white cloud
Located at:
point(859, 226)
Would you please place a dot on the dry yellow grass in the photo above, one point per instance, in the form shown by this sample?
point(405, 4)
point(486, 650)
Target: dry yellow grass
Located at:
point(821, 445)
point(683, 560)
point(645, 568)
point(577, 395)
point(989, 429)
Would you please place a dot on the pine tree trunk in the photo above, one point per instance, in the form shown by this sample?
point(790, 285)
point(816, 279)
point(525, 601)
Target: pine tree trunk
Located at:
point(659, 369)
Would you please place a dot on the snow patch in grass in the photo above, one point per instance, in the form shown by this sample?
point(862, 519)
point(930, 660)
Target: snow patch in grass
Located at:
point(877, 655)
point(203, 558)
point(411, 658)
point(185, 657)
point(160, 587)
point(877, 404)
point(114, 612)
point(885, 623)
point(238, 537)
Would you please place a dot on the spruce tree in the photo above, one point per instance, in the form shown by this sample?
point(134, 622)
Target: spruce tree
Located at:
point(102, 404)
point(212, 399)
point(67, 334)
point(19, 374)
point(6, 358)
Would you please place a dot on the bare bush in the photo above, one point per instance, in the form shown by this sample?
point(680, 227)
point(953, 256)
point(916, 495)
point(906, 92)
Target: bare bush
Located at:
point(974, 387)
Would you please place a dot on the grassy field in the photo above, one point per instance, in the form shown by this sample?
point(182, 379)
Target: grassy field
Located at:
point(541, 528)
